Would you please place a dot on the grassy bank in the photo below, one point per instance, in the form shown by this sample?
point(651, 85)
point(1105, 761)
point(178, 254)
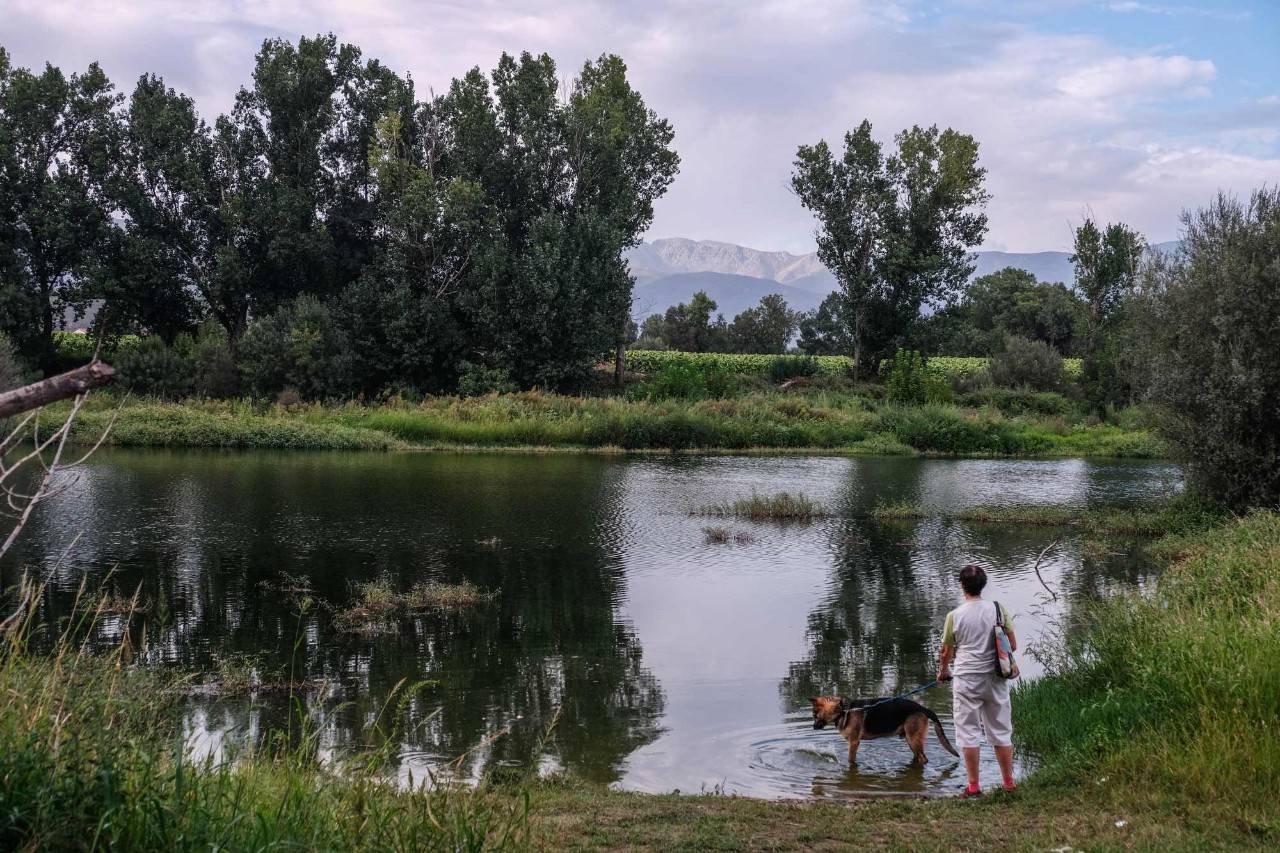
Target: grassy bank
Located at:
point(813, 421)
point(91, 758)
point(1176, 693)
point(1156, 727)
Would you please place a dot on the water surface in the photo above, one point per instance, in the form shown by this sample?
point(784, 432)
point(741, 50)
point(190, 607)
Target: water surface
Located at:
point(665, 662)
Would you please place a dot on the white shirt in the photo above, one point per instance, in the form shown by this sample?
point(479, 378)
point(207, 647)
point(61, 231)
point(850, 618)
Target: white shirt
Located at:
point(969, 629)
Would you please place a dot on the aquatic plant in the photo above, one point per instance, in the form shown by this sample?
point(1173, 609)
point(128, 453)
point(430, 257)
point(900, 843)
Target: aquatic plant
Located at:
point(446, 596)
point(783, 506)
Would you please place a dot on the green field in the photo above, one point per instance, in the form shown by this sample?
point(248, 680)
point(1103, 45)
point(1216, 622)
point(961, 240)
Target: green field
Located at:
point(945, 367)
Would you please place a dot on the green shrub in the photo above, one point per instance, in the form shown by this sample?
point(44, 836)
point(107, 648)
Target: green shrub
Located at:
point(477, 380)
point(1013, 402)
point(74, 349)
point(789, 367)
point(909, 382)
point(214, 369)
point(155, 369)
point(300, 347)
point(682, 381)
point(1027, 364)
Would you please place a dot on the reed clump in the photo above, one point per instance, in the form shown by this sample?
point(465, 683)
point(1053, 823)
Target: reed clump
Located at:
point(377, 606)
point(782, 506)
point(447, 596)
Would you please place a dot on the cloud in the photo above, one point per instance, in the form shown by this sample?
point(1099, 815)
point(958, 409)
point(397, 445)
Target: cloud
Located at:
point(1140, 76)
point(1066, 121)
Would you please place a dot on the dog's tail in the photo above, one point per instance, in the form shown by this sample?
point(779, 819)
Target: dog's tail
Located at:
point(942, 735)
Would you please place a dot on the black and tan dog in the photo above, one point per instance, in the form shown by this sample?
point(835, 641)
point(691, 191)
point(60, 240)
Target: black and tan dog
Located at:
point(865, 719)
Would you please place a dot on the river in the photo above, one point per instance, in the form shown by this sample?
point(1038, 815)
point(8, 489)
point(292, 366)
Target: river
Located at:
point(666, 662)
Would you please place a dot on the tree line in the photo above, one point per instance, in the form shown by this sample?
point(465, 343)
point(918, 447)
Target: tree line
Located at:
point(333, 231)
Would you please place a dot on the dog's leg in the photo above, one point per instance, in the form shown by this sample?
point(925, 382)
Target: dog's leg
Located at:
point(853, 734)
point(915, 729)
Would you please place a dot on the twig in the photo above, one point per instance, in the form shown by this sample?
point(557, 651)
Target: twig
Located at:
point(1046, 550)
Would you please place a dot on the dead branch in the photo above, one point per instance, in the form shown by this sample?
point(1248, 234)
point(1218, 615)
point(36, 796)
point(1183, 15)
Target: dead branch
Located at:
point(60, 387)
point(1046, 550)
point(44, 458)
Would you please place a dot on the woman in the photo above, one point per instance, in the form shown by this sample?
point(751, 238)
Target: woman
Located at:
point(979, 696)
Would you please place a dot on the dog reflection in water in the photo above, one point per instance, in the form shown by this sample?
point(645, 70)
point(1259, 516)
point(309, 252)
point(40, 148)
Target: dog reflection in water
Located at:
point(866, 719)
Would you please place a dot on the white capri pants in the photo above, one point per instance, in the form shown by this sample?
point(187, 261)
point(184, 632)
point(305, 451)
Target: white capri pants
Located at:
point(981, 702)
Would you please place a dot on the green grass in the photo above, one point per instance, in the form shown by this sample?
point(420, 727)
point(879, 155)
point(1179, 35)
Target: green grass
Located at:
point(91, 757)
point(1178, 692)
point(783, 506)
point(1181, 515)
point(812, 421)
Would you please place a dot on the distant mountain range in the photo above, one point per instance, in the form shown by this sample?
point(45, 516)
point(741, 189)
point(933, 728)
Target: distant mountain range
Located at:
point(670, 271)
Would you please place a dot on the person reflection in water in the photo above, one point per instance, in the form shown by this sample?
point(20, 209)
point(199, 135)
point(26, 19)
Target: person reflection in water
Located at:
point(979, 696)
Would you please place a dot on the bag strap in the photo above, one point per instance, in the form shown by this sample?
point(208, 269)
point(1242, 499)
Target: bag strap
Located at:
point(999, 616)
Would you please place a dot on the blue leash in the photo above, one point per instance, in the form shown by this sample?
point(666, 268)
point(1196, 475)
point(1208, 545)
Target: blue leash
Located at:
point(919, 689)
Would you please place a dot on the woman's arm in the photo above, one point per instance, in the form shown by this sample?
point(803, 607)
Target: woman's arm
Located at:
point(947, 655)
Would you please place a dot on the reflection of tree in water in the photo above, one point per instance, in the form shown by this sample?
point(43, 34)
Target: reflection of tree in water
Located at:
point(877, 633)
point(201, 534)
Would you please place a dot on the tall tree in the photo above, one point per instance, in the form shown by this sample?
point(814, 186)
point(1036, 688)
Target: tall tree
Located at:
point(164, 257)
point(571, 185)
point(825, 331)
point(1106, 264)
point(56, 140)
point(1207, 325)
point(690, 327)
point(766, 328)
point(894, 230)
point(293, 156)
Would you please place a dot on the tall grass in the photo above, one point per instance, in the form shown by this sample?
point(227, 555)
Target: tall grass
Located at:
point(91, 757)
point(1175, 693)
point(846, 422)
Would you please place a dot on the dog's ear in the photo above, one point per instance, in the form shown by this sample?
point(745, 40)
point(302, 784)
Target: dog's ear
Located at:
point(814, 700)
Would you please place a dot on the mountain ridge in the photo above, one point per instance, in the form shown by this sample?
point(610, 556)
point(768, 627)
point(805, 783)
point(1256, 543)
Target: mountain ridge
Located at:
point(667, 267)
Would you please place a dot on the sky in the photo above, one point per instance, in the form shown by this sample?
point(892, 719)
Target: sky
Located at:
point(1129, 111)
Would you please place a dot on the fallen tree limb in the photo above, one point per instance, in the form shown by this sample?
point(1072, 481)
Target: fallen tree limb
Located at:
point(55, 388)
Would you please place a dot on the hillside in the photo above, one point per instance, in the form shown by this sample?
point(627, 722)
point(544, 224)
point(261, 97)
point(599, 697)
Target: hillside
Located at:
point(671, 270)
point(732, 293)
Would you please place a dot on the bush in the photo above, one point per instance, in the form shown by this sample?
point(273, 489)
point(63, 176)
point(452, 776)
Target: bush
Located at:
point(909, 382)
point(154, 368)
point(1011, 402)
point(214, 370)
point(300, 347)
point(1207, 336)
point(680, 381)
point(1027, 364)
point(789, 367)
point(476, 380)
